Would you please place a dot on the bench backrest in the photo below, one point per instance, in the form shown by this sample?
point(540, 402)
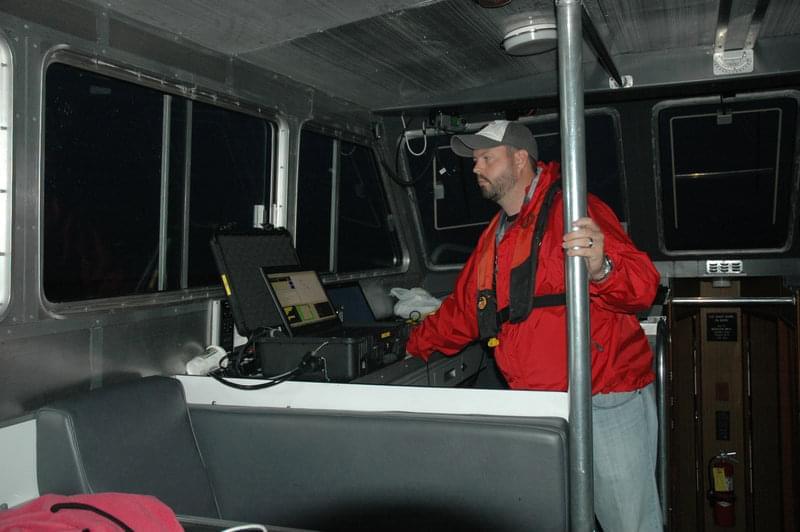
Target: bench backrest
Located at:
point(386, 471)
point(133, 437)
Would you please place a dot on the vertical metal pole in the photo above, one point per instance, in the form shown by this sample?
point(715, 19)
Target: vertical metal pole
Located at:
point(573, 158)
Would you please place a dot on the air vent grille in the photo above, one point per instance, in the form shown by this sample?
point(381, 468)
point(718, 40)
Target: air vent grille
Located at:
point(724, 267)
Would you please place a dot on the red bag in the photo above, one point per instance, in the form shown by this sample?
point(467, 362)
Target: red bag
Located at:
point(99, 512)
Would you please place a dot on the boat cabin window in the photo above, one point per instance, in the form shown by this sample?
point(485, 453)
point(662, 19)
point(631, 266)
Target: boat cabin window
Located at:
point(727, 174)
point(451, 208)
point(136, 181)
point(6, 115)
point(344, 224)
point(230, 179)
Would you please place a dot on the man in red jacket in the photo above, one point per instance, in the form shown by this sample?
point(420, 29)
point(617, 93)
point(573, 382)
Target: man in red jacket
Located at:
point(511, 294)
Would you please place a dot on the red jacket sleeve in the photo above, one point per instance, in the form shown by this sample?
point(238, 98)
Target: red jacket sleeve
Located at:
point(455, 324)
point(632, 284)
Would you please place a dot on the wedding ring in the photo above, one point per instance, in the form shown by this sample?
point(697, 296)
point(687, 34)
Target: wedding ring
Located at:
point(591, 242)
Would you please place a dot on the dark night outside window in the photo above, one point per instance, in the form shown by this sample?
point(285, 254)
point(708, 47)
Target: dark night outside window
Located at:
point(102, 153)
point(314, 188)
point(102, 185)
point(365, 239)
point(359, 226)
point(726, 175)
point(231, 155)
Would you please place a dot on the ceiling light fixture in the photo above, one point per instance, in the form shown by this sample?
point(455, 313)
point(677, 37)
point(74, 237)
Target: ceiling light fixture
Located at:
point(530, 33)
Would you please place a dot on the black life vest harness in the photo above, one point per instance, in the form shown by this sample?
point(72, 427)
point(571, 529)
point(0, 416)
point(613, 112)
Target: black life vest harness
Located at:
point(523, 276)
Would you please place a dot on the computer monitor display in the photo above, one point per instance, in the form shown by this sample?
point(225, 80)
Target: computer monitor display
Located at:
point(301, 298)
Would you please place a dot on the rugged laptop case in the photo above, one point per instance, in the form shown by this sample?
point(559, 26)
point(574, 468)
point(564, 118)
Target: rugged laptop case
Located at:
point(240, 255)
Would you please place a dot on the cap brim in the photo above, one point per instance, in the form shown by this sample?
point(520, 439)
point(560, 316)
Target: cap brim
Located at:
point(462, 145)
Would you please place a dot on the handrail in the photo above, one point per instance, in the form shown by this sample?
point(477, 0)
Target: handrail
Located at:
point(704, 300)
point(662, 398)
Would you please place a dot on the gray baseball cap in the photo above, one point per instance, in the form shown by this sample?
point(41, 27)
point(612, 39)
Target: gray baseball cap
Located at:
point(496, 133)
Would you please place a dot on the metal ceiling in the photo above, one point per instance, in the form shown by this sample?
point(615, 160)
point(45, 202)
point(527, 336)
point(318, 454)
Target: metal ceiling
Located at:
point(395, 53)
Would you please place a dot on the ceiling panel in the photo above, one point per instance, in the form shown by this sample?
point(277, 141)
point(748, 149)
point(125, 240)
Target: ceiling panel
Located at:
point(381, 52)
point(646, 25)
point(238, 26)
point(781, 19)
point(449, 46)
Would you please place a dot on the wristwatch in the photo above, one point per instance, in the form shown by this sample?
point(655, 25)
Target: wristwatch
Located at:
point(607, 267)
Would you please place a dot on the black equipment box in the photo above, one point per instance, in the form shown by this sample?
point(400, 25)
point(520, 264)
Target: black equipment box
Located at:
point(345, 358)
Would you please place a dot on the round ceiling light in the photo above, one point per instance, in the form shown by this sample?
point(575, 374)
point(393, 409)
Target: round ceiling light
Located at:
point(530, 34)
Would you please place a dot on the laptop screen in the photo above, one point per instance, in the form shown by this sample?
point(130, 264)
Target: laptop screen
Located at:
point(301, 297)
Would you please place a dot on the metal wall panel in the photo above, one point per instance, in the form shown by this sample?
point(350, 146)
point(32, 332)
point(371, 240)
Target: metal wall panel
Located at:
point(48, 350)
point(153, 346)
point(38, 368)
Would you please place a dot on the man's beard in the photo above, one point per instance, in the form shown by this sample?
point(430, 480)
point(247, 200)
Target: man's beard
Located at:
point(495, 191)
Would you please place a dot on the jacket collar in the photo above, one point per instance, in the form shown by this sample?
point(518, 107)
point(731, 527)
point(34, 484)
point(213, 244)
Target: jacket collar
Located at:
point(548, 173)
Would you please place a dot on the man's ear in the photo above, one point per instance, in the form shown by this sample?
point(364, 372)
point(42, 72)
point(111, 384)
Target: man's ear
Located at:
point(520, 158)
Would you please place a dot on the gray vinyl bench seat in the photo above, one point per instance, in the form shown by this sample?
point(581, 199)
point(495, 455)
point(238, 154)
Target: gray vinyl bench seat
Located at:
point(319, 470)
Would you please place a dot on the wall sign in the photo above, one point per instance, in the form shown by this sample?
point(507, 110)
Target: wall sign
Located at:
point(721, 327)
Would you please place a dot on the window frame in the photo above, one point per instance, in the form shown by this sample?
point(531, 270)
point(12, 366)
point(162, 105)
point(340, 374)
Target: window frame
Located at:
point(661, 219)
point(168, 89)
point(6, 170)
point(339, 135)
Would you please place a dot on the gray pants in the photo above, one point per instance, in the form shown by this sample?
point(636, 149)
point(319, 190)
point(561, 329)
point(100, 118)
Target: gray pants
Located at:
point(625, 439)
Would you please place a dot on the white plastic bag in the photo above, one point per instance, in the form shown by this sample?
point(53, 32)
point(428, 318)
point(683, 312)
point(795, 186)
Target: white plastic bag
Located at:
point(414, 303)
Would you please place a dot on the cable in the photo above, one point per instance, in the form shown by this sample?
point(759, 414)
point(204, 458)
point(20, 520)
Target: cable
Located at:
point(320, 346)
point(311, 363)
point(424, 138)
point(236, 357)
point(308, 364)
point(473, 380)
point(424, 143)
point(351, 152)
point(91, 508)
point(395, 175)
point(259, 386)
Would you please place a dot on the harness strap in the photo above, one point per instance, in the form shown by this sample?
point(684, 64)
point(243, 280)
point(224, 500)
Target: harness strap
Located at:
point(523, 277)
point(545, 300)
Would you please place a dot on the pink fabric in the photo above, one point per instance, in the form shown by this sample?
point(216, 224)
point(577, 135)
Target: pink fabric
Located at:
point(139, 512)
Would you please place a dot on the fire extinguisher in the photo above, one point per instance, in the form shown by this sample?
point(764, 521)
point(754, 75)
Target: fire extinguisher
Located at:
point(720, 492)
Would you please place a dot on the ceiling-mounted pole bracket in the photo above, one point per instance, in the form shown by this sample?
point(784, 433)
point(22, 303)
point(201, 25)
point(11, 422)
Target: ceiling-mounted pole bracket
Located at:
point(592, 37)
point(736, 60)
point(627, 82)
point(733, 62)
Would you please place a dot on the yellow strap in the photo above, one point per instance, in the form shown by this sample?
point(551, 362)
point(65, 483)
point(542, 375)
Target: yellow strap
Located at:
point(226, 285)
